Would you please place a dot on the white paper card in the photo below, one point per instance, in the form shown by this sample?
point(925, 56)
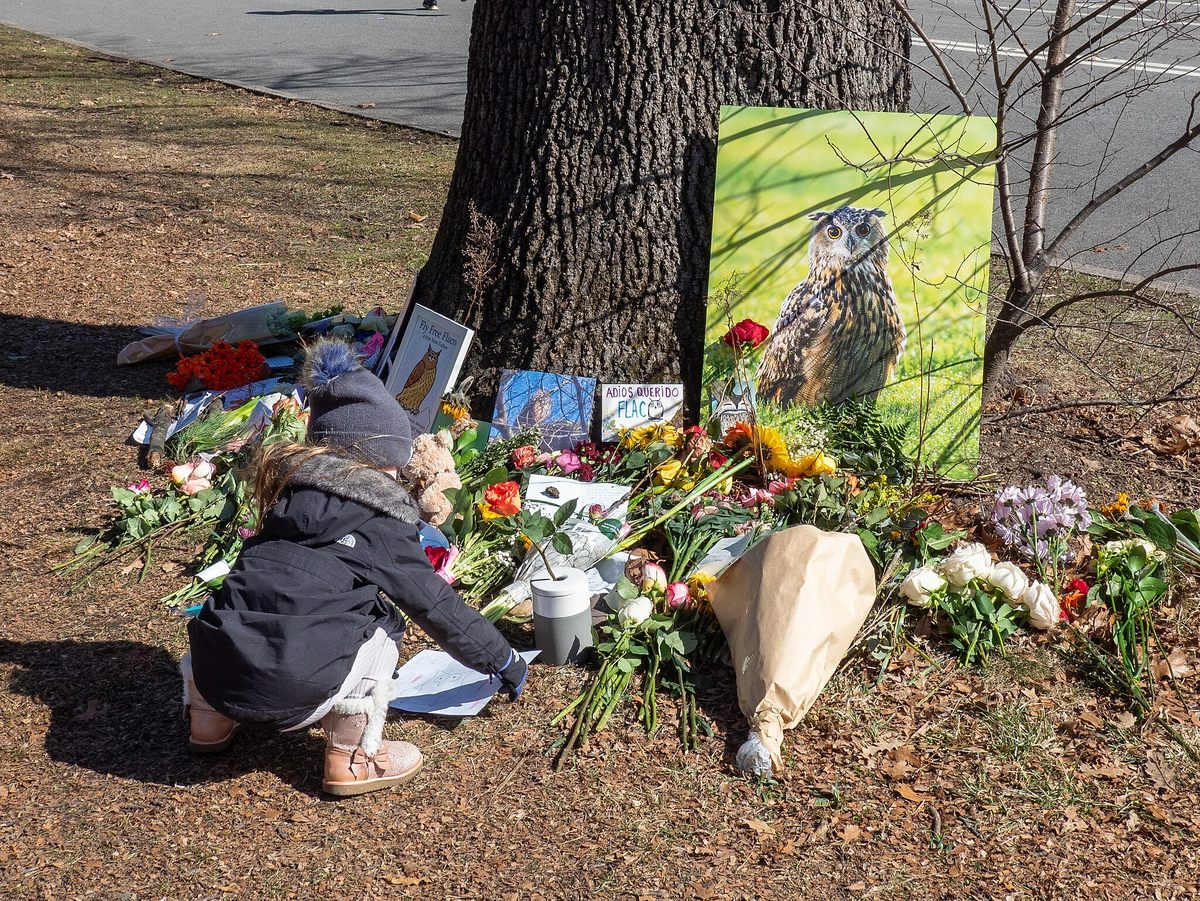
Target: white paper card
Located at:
point(551, 492)
point(218, 570)
point(434, 682)
point(629, 406)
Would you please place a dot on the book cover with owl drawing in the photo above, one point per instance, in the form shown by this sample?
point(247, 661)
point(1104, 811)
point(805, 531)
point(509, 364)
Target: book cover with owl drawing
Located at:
point(862, 242)
point(426, 363)
point(560, 406)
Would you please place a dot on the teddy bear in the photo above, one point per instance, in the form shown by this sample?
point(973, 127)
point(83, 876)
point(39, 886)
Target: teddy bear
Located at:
point(430, 473)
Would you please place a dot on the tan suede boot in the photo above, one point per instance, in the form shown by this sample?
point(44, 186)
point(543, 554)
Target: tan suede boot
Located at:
point(208, 730)
point(357, 761)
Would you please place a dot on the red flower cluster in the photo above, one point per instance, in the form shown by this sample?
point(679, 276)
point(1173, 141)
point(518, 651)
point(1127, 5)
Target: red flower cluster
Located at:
point(220, 368)
point(747, 332)
point(1073, 599)
point(593, 454)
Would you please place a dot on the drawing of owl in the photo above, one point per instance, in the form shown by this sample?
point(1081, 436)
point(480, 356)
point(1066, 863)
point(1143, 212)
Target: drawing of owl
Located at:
point(536, 411)
point(655, 410)
point(419, 382)
point(839, 333)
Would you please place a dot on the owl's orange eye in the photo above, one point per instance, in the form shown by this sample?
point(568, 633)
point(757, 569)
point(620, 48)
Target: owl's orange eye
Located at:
point(833, 231)
point(862, 230)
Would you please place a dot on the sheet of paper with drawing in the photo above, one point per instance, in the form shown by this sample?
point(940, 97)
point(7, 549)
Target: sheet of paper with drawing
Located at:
point(434, 682)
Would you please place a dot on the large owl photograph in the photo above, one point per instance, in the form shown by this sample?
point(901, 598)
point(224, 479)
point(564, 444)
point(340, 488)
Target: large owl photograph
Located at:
point(860, 242)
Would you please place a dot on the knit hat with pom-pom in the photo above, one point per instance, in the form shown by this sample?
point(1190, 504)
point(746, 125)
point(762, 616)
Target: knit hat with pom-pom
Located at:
point(350, 408)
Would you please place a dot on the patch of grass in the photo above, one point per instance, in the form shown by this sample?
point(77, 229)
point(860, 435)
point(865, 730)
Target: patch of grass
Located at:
point(1016, 731)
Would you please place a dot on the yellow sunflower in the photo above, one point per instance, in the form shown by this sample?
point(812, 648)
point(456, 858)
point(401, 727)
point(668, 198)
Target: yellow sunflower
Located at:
point(645, 435)
point(766, 444)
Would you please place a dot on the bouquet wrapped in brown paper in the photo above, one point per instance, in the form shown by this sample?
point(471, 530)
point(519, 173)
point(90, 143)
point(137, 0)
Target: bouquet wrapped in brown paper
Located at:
point(790, 608)
point(262, 324)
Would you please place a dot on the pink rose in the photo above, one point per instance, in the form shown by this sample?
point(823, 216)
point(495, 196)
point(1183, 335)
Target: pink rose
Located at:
point(677, 595)
point(524, 456)
point(568, 461)
point(654, 577)
point(195, 486)
point(138, 487)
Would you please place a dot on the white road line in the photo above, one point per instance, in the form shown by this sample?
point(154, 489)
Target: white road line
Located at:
point(1097, 61)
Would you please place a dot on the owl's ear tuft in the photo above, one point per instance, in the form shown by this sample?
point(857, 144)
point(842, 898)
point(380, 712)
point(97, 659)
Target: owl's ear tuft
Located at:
point(326, 360)
point(818, 215)
point(879, 214)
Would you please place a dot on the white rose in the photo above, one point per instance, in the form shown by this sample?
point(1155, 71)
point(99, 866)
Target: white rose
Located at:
point(1008, 579)
point(1040, 605)
point(1113, 548)
point(969, 561)
point(635, 612)
point(920, 584)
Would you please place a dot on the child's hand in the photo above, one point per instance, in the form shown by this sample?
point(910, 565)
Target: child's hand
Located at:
point(514, 675)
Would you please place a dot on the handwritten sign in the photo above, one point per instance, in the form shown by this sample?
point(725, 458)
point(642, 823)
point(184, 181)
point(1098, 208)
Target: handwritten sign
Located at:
point(630, 406)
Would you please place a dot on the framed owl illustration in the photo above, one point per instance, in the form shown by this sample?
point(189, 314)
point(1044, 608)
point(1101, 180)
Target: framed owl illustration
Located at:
point(859, 243)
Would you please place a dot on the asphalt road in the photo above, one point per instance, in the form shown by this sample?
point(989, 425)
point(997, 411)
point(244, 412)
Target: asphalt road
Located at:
point(409, 62)
point(411, 65)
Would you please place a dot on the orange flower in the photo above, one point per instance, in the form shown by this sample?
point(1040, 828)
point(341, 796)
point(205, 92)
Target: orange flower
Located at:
point(501, 500)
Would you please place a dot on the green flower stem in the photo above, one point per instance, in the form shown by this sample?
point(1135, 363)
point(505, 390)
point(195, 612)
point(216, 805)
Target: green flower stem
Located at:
point(703, 487)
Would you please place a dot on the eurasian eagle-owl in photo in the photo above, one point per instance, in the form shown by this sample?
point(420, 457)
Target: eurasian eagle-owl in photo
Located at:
point(839, 333)
point(536, 411)
point(419, 381)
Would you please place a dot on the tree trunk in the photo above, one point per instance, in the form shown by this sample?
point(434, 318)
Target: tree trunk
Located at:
point(589, 140)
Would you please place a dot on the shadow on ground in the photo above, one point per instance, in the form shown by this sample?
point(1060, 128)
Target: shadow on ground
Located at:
point(115, 709)
point(74, 357)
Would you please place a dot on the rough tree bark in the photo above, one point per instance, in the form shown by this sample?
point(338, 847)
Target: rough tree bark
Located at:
point(589, 139)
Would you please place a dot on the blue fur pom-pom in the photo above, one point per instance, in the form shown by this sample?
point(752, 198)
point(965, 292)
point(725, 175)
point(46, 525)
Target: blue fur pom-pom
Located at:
point(326, 360)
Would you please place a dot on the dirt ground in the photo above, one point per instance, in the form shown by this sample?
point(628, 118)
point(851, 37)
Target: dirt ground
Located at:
point(127, 193)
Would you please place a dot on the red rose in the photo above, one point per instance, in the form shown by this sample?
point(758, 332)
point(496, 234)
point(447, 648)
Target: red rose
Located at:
point(503, 499)
point(524, 456)
point(746, 332)
point(1081, 586)
point(438, 556)
point(585, 472)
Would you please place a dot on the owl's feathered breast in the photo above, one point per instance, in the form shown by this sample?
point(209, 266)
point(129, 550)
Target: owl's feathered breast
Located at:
point(838, 336)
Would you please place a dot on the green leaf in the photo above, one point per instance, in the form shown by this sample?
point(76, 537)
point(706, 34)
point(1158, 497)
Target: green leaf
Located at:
point(876, 516)
point(1161, 533)
point(565, 512)
point(123, 496)
point(561, 542)
point(1188, 522)
point(495, 477)
point(636, 460)
point(85, 542)
point(626, 590)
